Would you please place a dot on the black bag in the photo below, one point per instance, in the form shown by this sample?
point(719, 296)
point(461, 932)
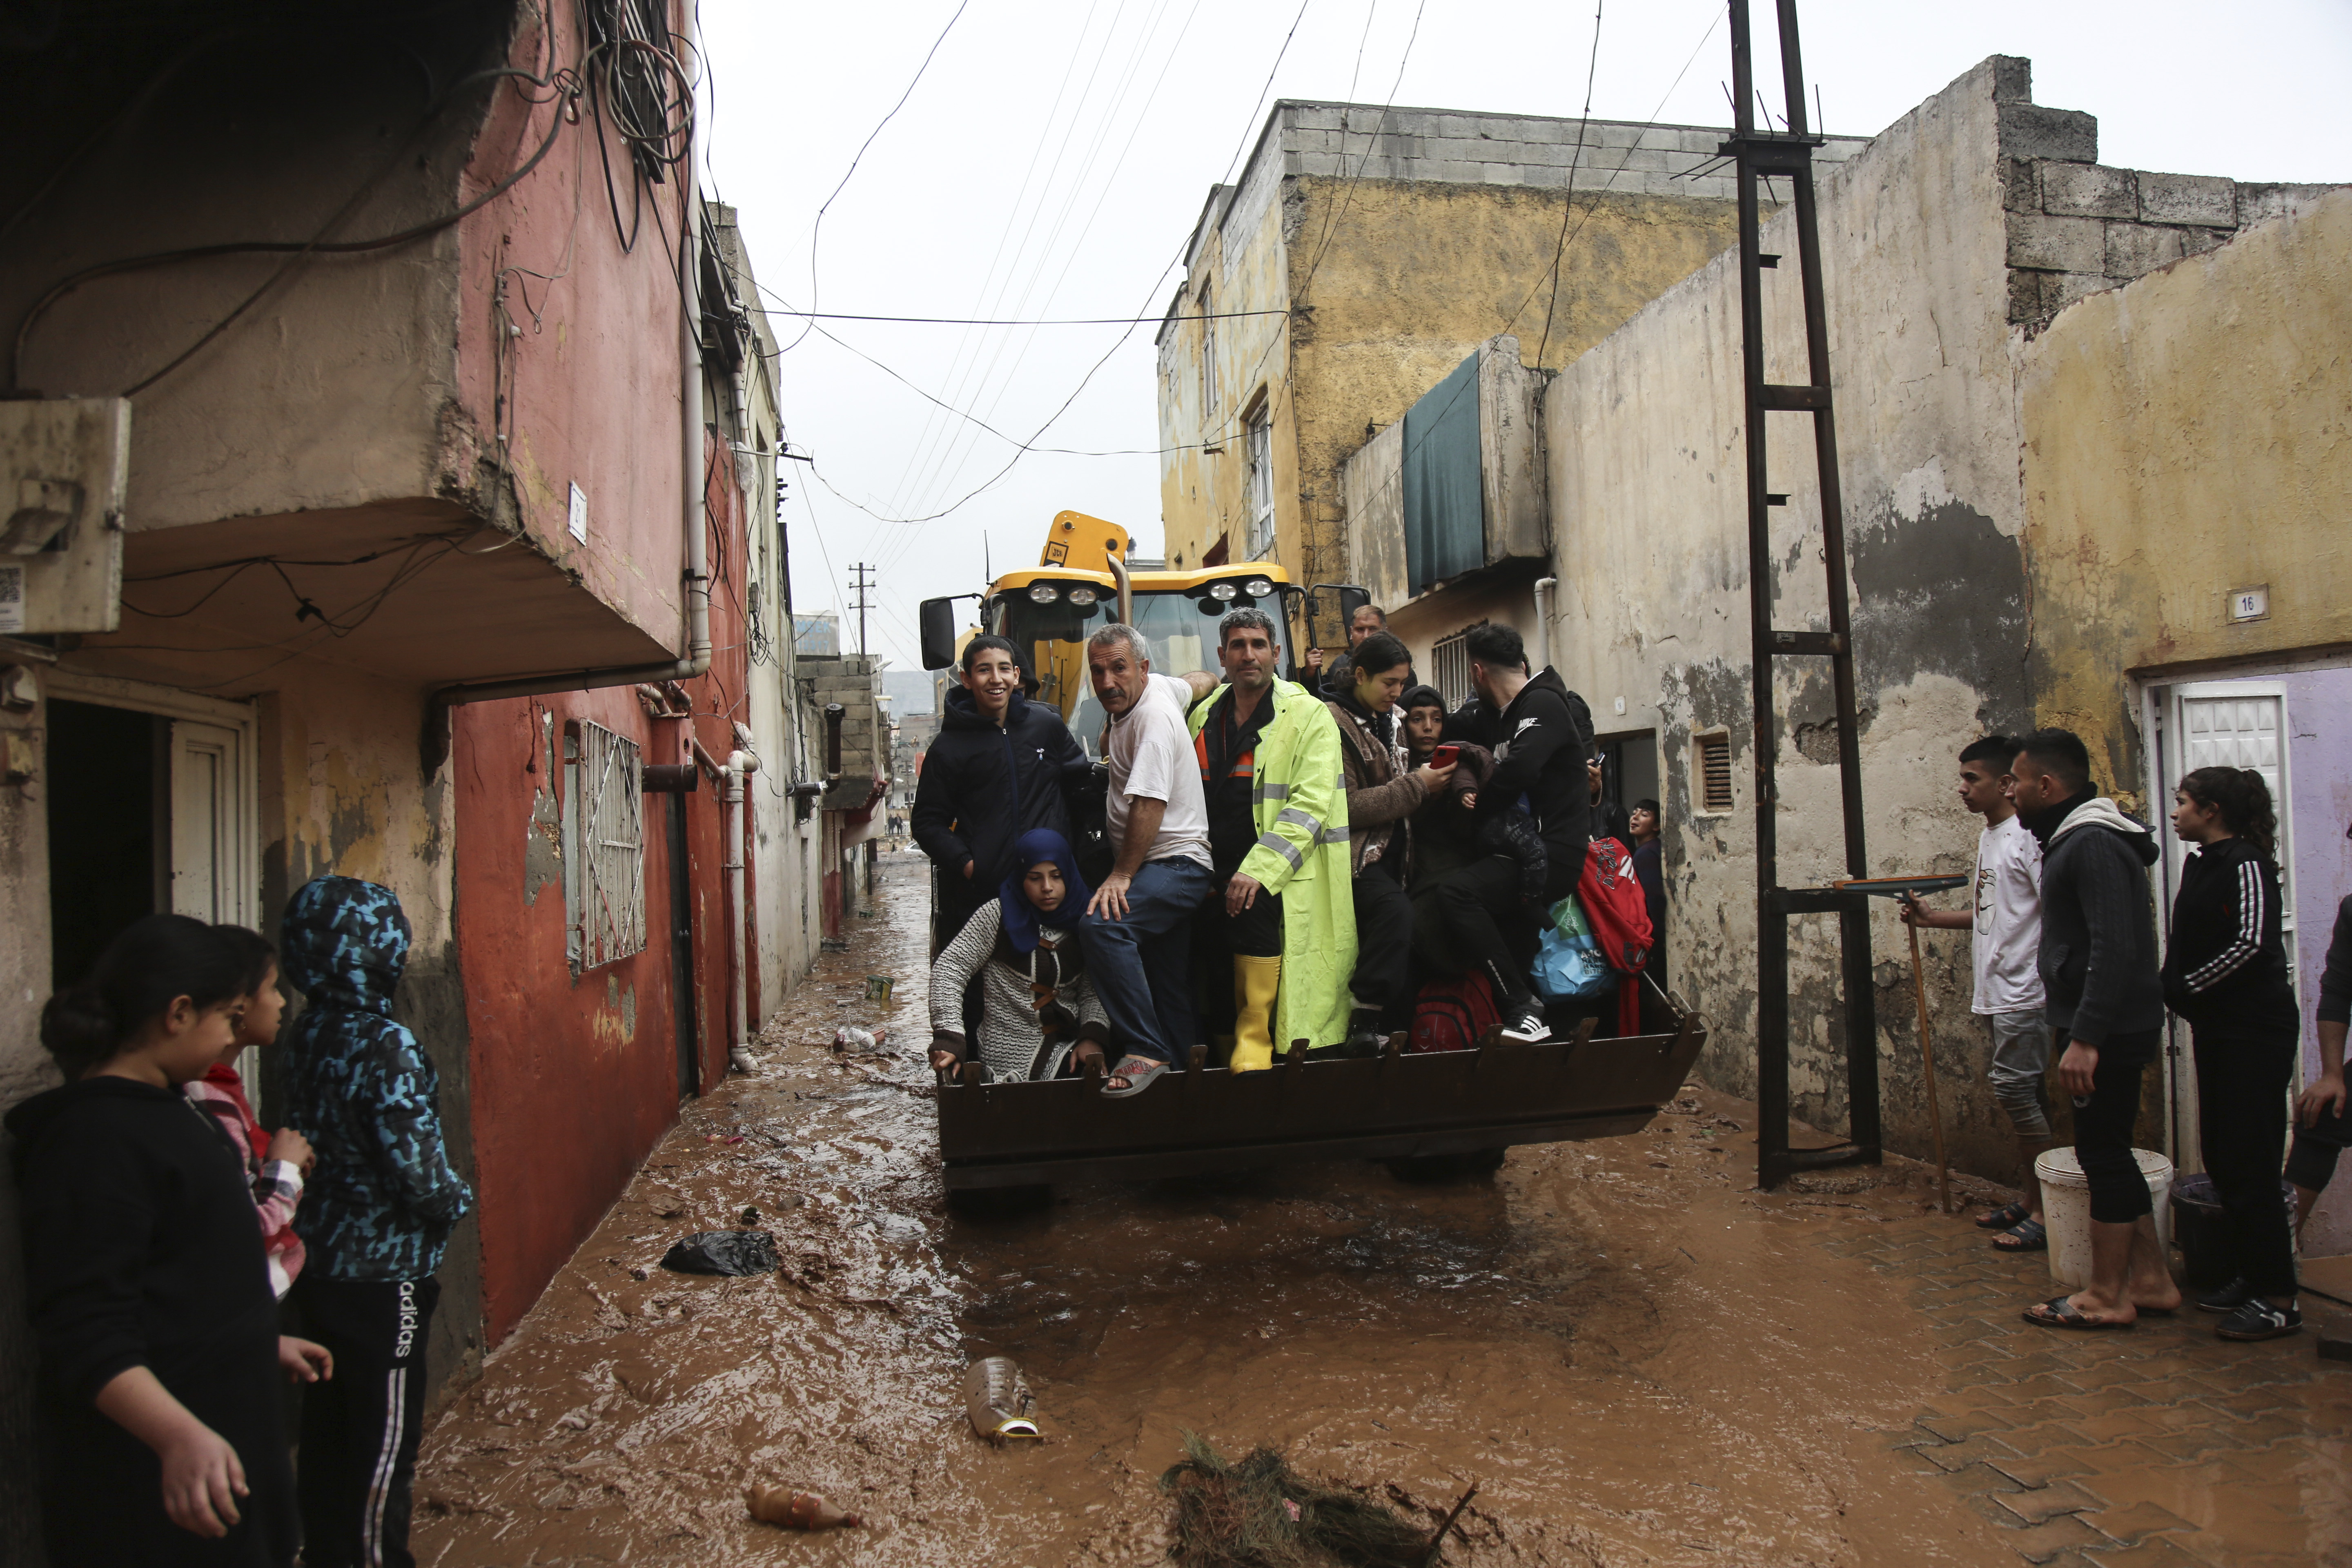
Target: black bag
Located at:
point(723, 1252)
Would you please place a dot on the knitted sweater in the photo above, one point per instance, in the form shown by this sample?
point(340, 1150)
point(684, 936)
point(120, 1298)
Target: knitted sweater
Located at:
point(1018, 990)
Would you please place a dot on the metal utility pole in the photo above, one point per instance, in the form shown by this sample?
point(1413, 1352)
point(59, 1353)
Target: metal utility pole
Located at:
point(1788, 154)
point(861, 581)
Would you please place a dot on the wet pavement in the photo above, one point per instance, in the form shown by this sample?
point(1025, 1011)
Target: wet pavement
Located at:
point(1638, 1359)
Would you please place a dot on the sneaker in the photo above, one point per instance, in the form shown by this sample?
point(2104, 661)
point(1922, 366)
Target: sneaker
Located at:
point(1527, 1030)
point(2258, 1319)
point(2228, 1299)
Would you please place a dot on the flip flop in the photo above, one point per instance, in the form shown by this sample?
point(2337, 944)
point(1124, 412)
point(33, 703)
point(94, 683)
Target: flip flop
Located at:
point(2031, 1236)
point(2006, 1218)
point(2060, 1312)
point(1138, 1071)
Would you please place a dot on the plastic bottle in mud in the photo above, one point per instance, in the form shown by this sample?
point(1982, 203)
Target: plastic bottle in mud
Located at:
point(997, 1399)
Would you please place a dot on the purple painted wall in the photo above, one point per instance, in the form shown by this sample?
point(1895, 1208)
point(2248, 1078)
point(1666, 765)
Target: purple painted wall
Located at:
point(2319, 757)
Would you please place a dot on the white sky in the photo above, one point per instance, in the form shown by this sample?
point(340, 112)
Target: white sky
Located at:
point(1054, 154)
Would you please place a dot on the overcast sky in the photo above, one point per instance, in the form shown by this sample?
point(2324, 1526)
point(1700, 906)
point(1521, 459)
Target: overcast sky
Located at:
point(1054, 154)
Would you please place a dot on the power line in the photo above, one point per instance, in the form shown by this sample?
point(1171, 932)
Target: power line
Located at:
point(1001, 322)
point(817, 228)
point(1567, 204)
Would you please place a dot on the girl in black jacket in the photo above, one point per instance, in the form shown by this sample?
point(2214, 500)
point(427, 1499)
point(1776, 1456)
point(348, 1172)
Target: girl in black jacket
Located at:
point(146, 1280)
point(2225, 975)
point(1001, 766)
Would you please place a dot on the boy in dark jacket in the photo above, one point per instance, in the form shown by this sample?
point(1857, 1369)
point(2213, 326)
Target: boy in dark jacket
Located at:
point(2099, 977)
point(1001, 766)
point(2322, 1128)
point(380, 1206)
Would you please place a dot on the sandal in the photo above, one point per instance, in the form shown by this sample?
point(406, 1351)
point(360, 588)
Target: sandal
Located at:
point(2060, 1312)
point(1138, 1071)
point(2031, 1236)
point(2009, 1216)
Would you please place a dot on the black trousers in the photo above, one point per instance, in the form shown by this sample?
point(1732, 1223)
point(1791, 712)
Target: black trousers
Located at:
point(360, 1427)
point(2241, 1118)
point(1486, 926)
point(2103, 1128)
point(1383, 976)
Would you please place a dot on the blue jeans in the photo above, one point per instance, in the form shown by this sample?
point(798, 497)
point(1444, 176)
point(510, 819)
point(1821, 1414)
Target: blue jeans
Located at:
point(1141, 964)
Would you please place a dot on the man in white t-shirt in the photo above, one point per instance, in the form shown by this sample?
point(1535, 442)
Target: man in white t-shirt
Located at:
point(1137, 931)
point(2006, 934)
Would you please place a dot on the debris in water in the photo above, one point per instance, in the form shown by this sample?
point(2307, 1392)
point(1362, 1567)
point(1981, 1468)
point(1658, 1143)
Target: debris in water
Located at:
point(734, 1252)
point(750, 1216)
point(796, 1510)
point(997, 1399)
point(847, 1038)
point(1259, 1513)
point(877, 988)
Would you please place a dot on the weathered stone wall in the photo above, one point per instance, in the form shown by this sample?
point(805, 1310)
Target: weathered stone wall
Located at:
point(1648, 500)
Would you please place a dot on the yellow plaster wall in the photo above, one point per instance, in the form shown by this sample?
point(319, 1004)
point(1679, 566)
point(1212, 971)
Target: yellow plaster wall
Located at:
point(1404, 279)
point(2185, 436)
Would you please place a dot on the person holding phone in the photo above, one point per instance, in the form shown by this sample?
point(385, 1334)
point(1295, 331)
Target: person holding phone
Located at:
point(1382, 795)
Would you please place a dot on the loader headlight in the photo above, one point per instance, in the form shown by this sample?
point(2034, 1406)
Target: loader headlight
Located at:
point(1222, 591)
point(1257, 587)
point(1043, 593)
point(1084, 598)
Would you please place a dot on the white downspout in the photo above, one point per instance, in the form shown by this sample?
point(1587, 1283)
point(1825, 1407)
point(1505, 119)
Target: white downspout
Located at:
point(1544, 586)
point(740, 766)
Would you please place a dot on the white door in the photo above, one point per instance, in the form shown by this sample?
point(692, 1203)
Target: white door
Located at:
point(208, 851)
point(2232, 725)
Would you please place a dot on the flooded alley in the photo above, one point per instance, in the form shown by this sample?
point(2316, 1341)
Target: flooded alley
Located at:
point(1638, 1359)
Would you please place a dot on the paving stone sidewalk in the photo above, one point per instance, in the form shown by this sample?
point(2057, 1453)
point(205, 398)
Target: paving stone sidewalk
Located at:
point(2163, 1446)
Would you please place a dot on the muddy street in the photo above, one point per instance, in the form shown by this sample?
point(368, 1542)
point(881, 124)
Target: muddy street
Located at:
point(1638, 1359)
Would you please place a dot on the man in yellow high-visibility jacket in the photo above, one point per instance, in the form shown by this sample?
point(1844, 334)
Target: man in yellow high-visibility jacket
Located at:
point(1274, 779)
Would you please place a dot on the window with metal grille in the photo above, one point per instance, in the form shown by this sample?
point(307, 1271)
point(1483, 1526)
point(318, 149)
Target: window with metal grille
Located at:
point(1261, 480)
point(1711, 771)
point(603, 846)
point(1449, 670)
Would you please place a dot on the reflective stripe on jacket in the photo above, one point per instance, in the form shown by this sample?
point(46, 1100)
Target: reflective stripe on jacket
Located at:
point(1299, 805)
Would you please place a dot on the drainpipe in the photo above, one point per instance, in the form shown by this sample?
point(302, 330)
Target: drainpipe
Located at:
point(1544, 587)
point(740, 766)
point(693, 505)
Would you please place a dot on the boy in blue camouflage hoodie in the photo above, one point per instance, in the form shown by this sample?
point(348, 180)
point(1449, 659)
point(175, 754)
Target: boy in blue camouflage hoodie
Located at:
point(379, 1208)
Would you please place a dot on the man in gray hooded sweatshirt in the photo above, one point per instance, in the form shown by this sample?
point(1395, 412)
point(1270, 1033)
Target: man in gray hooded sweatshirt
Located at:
point(2106, 996)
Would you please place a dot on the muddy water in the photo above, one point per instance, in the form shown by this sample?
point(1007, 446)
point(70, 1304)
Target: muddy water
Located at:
point(1636, 1359)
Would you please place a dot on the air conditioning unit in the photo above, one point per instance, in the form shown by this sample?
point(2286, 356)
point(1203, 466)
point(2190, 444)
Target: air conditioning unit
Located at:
point(64, 466)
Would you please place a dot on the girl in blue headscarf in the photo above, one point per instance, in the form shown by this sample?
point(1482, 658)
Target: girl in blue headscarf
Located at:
point(1040, 1016)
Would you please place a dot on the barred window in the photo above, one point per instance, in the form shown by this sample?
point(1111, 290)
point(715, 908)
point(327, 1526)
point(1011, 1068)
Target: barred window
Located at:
point(1260, 427)
point(603, 846)
point(1449, 670)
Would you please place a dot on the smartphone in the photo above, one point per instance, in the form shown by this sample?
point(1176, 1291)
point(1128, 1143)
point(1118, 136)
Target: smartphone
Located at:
point(1445, 756)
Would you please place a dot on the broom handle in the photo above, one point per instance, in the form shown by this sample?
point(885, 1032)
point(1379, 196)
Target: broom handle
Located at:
point(1927, 1051)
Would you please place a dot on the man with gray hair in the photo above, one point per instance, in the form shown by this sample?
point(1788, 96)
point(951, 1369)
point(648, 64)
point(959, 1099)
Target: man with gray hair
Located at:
point(1136, 930)
point(1271, 773)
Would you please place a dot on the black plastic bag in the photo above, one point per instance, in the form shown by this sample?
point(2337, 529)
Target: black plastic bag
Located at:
point(723, 1252)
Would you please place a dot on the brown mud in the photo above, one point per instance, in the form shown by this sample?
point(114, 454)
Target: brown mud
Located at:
point(1639, 1360)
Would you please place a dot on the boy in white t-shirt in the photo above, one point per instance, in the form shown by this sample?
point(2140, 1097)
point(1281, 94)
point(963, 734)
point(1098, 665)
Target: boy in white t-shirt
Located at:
point(2006, 931)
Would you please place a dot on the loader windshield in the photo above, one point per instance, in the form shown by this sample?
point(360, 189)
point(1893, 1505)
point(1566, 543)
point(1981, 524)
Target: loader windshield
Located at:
point(1181, 628)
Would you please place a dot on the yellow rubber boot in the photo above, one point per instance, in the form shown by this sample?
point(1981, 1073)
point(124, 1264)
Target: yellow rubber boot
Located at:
point(1255, 983)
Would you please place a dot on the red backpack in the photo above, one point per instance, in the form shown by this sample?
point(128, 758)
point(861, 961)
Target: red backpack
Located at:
point(1611, 899)
point(1453, 1014)
point(1610, 896)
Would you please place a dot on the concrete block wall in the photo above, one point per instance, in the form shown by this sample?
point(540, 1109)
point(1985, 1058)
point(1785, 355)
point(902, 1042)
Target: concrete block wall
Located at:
point(2078, 227)
point(851, 681)
point(1361, 141)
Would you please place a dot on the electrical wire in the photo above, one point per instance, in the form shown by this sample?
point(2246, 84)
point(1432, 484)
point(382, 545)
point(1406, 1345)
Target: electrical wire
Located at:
point(1568, 205)
point(816, 227)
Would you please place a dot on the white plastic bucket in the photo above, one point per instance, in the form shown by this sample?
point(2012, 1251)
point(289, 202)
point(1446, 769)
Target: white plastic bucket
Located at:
point(2066, 1209)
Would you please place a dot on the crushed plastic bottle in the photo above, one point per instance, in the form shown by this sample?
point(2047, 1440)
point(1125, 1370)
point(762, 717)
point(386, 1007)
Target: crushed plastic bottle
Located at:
point(997, 1399)
point(796, 1510)
point(868, 1041)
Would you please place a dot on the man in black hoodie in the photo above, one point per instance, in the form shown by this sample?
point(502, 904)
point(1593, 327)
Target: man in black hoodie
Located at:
point(2106, 999)
point(1540, 733)
point(1000, 766)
